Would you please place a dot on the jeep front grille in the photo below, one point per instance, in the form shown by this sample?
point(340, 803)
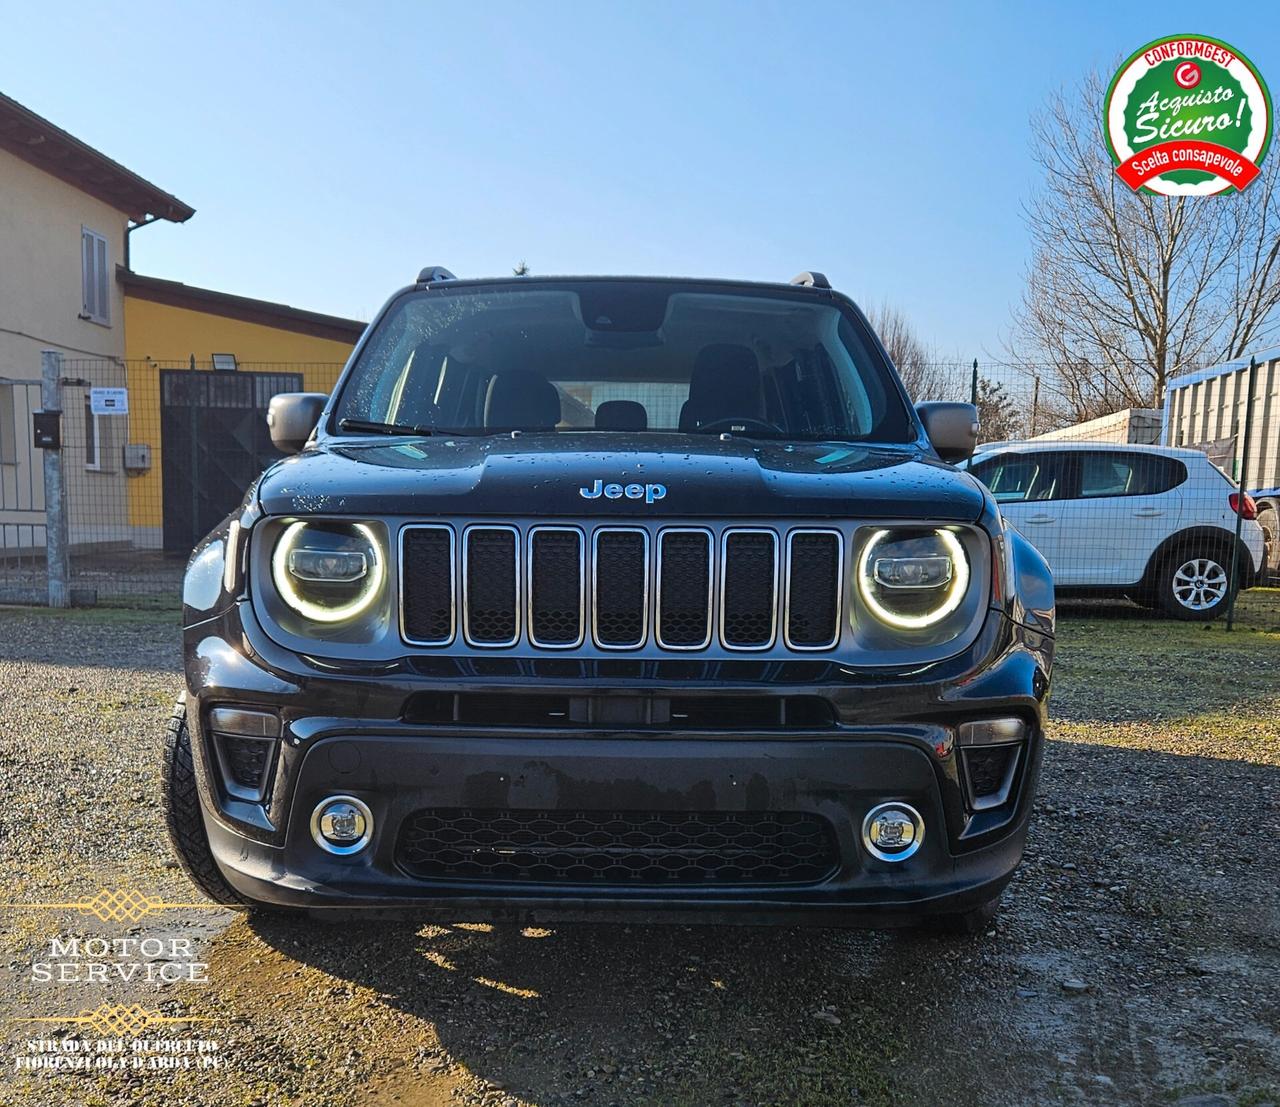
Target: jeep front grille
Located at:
point(620, 592)
point(685, 569)
point(491, 586)
point(621, 587)
point(556, 603)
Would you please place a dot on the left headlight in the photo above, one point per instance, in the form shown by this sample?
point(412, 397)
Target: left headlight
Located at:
point(329, 572)
point(912, 580)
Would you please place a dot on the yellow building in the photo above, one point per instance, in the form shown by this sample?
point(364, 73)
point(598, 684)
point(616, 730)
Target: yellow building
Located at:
point(201, 367)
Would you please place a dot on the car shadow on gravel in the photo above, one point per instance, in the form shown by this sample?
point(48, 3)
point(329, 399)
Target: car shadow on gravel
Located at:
point(1133, 958)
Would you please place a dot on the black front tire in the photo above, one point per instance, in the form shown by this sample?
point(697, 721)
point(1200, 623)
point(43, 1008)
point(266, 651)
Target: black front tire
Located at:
point(182, 816)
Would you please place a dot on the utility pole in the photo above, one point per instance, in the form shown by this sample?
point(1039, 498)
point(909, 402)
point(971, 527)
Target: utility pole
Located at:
point(1035, 406)
point(973, 385)
point(55, 493)
point(1233, 576)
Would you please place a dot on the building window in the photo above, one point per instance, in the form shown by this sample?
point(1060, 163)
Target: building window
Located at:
point(8, 427)
point(95, 278)
point(92, 438)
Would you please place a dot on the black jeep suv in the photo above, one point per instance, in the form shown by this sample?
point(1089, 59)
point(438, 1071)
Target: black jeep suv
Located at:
point(587, 597)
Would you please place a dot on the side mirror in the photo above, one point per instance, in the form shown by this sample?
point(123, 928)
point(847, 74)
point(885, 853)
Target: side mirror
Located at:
point(292, 416)
point(952, 428)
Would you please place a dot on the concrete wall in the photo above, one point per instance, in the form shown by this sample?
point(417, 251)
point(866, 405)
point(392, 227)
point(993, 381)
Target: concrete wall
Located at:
point(1132, 426)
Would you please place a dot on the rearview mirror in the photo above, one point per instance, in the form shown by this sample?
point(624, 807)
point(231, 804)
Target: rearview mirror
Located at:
point(292, 416)
point(952, 428)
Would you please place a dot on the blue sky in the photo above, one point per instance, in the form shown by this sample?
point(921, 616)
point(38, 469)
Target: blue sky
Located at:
point(331, 150)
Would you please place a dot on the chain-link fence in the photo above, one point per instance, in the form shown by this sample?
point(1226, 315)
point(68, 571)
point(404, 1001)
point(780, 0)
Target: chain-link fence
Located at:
point(1168, 510)
point(152, 456)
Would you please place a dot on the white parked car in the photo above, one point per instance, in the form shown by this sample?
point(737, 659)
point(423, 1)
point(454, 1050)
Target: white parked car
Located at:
point(1152, 523)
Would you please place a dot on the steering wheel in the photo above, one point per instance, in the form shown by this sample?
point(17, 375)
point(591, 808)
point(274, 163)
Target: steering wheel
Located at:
point(733, 422)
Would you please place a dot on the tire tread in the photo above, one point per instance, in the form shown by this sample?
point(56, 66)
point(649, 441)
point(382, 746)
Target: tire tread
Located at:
point(182, 816)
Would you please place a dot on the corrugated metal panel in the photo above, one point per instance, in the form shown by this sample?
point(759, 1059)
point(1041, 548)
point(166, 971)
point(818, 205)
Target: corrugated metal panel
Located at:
point(1207, 409)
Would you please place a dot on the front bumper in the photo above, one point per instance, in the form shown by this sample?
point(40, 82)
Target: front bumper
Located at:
point(894, 738)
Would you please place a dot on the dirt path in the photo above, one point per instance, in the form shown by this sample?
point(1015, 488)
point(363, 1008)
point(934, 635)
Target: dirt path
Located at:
point(1136, 959)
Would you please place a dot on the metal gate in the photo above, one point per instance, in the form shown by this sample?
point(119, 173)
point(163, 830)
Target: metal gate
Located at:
point(214, 442)
point(22, 518)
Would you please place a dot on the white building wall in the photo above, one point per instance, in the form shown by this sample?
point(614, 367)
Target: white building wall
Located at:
point(41, 300)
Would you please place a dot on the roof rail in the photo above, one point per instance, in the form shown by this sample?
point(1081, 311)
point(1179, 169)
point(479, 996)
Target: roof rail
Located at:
point(433, 273)
point(811, 279)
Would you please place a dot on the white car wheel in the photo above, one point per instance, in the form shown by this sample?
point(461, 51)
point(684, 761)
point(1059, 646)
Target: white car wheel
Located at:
point(1197, 588)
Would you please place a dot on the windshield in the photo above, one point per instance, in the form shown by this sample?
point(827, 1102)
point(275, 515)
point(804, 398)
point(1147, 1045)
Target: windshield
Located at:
point(623, 356)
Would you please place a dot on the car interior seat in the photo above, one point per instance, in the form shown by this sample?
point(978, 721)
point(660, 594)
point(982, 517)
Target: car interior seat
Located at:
point(521, 399)
point(725, 384)
point(622, 415)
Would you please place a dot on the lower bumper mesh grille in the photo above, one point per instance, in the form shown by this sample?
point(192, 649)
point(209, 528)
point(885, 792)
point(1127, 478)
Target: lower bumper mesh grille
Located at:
point(630, 848)
point(246, 759)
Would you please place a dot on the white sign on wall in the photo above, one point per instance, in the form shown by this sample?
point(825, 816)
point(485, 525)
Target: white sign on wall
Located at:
point(109, 401)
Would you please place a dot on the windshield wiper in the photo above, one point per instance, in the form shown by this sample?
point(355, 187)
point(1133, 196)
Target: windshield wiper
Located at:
point(366, 426)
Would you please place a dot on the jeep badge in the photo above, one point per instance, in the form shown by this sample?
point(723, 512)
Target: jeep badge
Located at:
point(650, 493)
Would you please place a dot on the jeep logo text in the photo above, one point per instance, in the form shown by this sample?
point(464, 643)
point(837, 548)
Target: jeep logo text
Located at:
point(650, 493)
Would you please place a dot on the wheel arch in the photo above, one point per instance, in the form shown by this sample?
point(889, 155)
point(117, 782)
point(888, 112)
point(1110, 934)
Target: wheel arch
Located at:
point(1202, 537)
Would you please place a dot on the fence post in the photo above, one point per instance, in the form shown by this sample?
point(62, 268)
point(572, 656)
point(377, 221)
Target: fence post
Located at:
point(973, 384)
point(1234, 571)
point(55, 497)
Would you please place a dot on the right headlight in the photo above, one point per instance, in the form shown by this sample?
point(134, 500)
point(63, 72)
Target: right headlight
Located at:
point(323, 580)
point(912, 580)
point(328, 572)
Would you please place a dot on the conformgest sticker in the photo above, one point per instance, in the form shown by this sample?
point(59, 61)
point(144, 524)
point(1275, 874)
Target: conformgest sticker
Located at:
point(1188, 115)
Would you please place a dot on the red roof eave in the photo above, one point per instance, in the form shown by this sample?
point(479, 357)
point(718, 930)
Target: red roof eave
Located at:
point(62, 155)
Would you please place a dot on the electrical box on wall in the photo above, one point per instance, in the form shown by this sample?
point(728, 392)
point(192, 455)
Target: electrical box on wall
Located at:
point(137, 457)
point(46, 430)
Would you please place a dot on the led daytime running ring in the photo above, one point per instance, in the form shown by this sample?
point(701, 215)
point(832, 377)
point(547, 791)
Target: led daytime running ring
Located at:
point(314, 611)
point(954, 596)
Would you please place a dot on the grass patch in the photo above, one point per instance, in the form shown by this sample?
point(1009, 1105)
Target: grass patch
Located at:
point(101, 615)
point(1114, 668)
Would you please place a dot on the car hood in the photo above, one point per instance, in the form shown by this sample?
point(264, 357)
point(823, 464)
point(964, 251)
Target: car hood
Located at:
point(546, 475)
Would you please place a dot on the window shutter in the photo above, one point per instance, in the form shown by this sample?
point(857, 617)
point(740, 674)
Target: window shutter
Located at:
point(88, 287)
point(104, 300)
point(95, 276)
point(90, 436)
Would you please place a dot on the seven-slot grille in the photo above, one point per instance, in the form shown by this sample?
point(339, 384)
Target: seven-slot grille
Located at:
point(621, 587)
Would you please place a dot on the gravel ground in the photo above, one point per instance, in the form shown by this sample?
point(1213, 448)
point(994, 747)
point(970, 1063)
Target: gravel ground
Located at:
point(1136, 958)
point(124, 578)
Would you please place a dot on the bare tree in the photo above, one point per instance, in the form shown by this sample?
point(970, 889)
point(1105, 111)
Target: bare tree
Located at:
point(1127, 289)
point(924, 377)
point(521, 270)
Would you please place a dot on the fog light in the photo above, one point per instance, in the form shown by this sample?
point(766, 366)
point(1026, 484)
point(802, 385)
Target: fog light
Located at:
point(342, 824)
point(892, 831)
